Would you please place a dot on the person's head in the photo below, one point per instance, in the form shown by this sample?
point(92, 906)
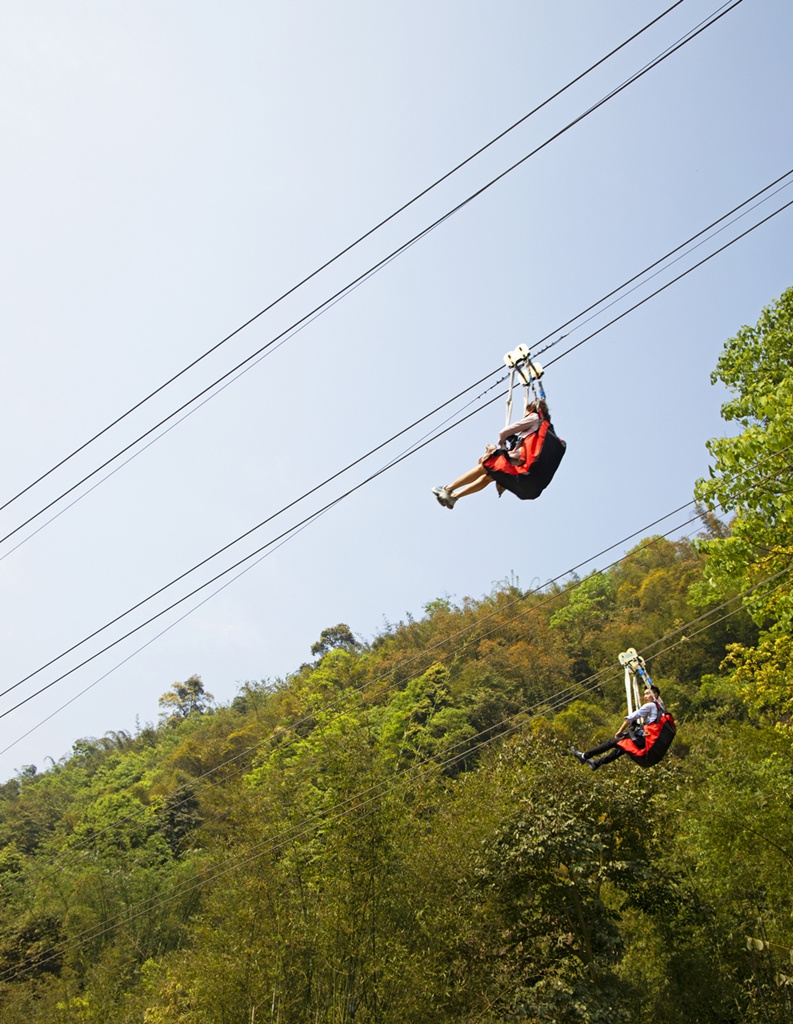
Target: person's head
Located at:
point(651, 692)
point(539, 405)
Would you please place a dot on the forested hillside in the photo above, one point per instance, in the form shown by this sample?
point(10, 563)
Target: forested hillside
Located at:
point(398, 833)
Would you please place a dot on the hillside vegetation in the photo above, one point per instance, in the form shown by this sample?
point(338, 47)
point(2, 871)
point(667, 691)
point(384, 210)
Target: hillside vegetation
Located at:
point(397, 833)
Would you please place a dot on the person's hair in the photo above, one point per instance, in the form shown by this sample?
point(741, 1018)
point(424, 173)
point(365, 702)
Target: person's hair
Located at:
point(538, 404)
point(654, 688)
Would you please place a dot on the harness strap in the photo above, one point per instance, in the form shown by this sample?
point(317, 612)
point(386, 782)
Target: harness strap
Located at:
point(509, 396)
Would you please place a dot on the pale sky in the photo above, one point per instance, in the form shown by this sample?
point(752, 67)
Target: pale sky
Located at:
point(167, 169)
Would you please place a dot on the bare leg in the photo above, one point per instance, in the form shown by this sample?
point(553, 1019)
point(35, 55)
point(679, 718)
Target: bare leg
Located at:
point(474, 480)
point(470, 477)
point(477, 485)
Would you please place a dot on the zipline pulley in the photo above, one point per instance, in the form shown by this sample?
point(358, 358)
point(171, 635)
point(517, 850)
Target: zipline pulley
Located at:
point(519, 362)
point(635, 670)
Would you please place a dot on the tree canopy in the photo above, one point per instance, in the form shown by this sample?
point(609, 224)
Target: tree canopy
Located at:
point(752, 479)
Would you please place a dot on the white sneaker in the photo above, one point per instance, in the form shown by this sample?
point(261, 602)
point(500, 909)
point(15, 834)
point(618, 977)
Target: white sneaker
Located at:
point(443, 496)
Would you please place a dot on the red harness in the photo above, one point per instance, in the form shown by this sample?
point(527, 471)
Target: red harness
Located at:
point(658, 736)
point(539, 457)
point(529, 450)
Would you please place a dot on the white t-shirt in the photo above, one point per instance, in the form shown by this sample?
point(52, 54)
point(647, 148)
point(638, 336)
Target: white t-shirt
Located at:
point(528, 425)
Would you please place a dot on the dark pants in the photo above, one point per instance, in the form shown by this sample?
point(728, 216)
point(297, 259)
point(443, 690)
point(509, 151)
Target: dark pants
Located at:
point(612, 746)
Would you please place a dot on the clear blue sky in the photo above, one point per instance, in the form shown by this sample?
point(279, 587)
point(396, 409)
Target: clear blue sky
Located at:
point(168, 168)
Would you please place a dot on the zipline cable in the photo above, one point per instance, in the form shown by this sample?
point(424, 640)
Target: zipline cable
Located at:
point(240, 562)
point(567, 323)
point(268, 544)
point(173, 425)
point(721, 12)
point(339, 254)
point(306, 718)
point(663, 259)
point(600, 302)
point(247, 533)
point(658, 291)
point(372, 793)
point(335, 501)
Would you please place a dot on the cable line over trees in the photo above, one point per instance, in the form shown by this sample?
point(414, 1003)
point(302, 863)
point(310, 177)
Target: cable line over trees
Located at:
point(314, 515)
point(345, 635)
point(554, 596)
point(359, 279)
point(306, 520)
point(341, 634)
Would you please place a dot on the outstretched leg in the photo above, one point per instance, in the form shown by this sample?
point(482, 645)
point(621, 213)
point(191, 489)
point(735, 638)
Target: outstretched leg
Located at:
point(610, 744)
point(608, 758)
point(474, 480)
point(587, 758)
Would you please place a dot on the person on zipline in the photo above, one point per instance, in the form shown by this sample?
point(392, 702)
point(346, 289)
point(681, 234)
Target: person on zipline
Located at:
point(645, 745)
point(524, 461)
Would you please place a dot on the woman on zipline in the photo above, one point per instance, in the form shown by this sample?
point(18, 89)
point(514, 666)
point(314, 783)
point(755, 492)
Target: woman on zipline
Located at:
point(524, 461)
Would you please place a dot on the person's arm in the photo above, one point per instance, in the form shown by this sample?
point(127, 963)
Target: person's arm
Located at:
point(528, 425)
point(643, 712)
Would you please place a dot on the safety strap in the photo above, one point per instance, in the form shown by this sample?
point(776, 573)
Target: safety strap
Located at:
point(509, 396)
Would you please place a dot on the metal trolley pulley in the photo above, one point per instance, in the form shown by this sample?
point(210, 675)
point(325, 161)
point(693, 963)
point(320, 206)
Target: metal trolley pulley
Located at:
point(635, 670)
point(519, 363)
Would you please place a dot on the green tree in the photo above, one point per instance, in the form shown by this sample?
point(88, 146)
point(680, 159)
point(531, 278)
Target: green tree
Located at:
point(332, 637)
point(751, 477)
point(591, 605)
point(185, 699)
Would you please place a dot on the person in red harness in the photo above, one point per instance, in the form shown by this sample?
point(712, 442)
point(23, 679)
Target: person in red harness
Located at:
point(524, 461)
point(645, 745)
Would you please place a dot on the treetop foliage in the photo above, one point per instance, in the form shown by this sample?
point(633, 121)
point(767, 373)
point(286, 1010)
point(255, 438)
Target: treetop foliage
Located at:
point(185, 699)
point(334, 637)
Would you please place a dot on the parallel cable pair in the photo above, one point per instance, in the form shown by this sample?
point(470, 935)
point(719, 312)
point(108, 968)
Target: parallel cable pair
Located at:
point(283, 335)
point(656, 266)
point(588, 309)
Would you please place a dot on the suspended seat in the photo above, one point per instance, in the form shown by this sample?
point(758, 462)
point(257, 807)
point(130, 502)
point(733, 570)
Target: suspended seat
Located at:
point(539, 456)
point(647, 749)
point(525, 466)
